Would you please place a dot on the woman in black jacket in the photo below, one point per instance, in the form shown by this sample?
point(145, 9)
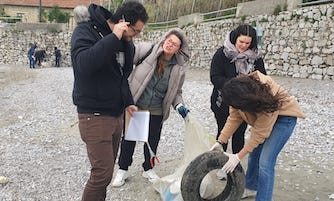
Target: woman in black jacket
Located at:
point(238, 56)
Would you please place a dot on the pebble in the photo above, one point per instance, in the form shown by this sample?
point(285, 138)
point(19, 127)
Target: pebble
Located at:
point(3, 180)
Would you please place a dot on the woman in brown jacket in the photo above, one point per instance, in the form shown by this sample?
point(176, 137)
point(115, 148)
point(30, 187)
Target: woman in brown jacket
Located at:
point(272, 114)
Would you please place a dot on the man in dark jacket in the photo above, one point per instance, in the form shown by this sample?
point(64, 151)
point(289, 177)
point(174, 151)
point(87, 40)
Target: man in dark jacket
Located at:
point(102, 57)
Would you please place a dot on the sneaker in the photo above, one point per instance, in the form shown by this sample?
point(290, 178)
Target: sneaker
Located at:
point(120, 178)
point(248, 193)
point(221, 174)
point(151, 175)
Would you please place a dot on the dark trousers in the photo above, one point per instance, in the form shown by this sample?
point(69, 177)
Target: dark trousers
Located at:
point(57, 61)
point(127, 147)
point(101, 135)
point(31, 61)
point(238, 138)
point(38, 60)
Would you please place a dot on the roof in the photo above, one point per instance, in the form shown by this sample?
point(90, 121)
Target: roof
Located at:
point(51, 3)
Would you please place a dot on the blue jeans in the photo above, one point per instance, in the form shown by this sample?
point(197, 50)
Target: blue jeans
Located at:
point(31, 61)
point(261, 162)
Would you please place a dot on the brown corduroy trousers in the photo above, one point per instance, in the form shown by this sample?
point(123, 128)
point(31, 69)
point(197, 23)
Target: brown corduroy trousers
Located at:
point(102, 136)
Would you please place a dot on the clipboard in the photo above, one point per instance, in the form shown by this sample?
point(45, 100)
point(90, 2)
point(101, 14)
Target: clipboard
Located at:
point(137, 126)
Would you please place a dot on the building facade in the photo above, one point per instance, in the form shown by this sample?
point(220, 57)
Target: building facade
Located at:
point(29, 10)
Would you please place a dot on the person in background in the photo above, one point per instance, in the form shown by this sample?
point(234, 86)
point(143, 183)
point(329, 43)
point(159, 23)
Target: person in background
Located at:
point(156, 85)
point(57, 56)
point(237, 57)
point(39, 56)
point(272, 114)
point(30, 55)
point(102, 54)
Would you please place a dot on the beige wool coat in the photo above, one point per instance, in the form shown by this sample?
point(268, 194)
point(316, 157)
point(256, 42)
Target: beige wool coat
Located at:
point(142, 74)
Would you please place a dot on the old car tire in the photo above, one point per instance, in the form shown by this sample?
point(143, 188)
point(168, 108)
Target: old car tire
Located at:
point(200, 167)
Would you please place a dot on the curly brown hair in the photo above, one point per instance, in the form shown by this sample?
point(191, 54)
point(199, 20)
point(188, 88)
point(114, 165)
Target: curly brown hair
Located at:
point(248, 94)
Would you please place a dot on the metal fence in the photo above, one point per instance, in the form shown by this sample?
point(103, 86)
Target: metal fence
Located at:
point(210, 16)
point(10, 19)
point(220, 14)
point(313, 3)
point(162, 25)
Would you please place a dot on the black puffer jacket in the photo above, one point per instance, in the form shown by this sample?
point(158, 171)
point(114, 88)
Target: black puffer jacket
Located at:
point(100, 83)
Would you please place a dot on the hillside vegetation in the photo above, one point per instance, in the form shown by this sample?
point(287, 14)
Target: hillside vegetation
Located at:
point(165, 10)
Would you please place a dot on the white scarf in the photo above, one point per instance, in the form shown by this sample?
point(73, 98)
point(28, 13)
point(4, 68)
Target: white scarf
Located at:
point(244, 61)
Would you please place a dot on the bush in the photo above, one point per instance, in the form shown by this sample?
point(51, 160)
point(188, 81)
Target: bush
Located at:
point(264, 20)
point(277, 10)
point(253, 24)
point(243, 18)
point(55, 14)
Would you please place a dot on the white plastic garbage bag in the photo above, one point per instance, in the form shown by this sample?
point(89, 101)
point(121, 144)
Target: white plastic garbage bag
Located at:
point(169, 186)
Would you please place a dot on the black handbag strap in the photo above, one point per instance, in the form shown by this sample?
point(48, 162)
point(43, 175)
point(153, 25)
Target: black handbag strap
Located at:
point(144, 57)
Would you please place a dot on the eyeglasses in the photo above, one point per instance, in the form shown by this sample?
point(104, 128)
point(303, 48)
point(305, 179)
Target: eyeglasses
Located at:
point(171, 42)
point(135, 30)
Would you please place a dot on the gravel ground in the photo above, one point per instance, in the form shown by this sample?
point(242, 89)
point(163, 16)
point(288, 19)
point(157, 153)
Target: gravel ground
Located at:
point(43, 157)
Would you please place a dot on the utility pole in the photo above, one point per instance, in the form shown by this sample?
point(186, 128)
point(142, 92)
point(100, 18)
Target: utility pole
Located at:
point(40, 11)
point(192, 7)
point(169, 7)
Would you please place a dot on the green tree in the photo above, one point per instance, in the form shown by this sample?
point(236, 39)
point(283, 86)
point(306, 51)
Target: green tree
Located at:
point(57, 15)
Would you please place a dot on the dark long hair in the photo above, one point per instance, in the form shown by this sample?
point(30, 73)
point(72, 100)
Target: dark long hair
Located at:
point(248, 94)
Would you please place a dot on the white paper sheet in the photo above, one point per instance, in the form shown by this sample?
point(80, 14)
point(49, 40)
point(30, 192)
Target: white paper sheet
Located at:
point(137, 129)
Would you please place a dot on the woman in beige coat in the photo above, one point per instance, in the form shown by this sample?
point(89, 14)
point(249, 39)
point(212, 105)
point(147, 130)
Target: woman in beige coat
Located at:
point(272, 114)
point(156, 85)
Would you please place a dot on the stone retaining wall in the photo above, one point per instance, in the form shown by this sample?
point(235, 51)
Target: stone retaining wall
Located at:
point(298, 43)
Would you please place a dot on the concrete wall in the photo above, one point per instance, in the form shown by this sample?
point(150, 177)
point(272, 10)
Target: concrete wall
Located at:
point(51, 27)
point(194, 18)
point(297, 43)
point(267, 7)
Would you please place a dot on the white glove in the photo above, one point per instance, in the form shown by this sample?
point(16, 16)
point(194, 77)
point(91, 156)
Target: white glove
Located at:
point(233, 161)
point(216, 147)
